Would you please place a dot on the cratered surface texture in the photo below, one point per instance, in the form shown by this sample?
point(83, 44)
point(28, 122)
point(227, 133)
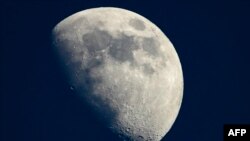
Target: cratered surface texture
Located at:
point(124, 68)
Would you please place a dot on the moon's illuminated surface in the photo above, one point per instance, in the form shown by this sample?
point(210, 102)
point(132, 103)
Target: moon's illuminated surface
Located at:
point(124, 68)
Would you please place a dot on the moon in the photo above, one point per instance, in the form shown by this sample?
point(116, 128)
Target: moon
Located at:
point(124, 68)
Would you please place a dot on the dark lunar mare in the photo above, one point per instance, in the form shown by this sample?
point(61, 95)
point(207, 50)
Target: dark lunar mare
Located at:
point(120, 48)
point(151, 46)
point(137, 24)
point(96, 41)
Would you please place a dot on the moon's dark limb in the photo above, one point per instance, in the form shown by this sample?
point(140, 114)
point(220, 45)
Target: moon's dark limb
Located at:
point(128, 74)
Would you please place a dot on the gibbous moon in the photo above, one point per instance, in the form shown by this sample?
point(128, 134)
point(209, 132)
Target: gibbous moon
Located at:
point(124, 68)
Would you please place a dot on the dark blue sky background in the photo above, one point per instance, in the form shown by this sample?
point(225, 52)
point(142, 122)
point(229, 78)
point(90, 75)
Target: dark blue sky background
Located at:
point(211, 38)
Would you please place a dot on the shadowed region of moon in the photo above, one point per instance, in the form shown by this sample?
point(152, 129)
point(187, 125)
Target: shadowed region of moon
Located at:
point(129, 75)
point(100, 105)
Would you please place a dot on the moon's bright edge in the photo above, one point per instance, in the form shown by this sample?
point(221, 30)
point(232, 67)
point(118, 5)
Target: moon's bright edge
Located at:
point(124, 68)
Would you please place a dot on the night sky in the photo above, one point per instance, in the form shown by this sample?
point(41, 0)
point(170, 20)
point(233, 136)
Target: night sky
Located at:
point(211, 39)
